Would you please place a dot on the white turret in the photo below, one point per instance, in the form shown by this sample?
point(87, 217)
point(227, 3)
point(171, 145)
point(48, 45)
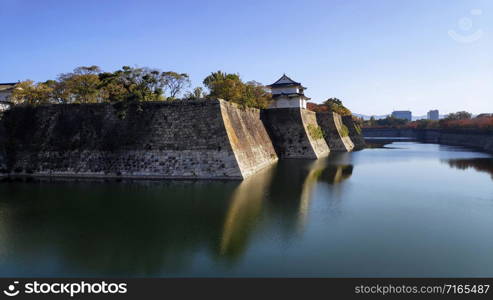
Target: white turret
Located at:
point(287, 93)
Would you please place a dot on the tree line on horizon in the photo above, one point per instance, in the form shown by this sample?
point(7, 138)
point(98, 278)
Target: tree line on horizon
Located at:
point(457, 120)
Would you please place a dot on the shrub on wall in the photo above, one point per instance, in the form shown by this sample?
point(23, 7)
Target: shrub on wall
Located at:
point(344, 131)
point(315, 132)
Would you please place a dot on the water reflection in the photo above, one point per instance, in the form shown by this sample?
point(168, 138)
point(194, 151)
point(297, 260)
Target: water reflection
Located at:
point(146, 228)
point(243, 213)
point(109, 228)
point(478, 164)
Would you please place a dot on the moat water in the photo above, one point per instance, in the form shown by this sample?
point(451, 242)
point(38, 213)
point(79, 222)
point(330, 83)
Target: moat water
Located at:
point(404, 209)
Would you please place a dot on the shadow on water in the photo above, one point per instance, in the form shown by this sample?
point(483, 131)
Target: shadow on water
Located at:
point(152, 228)
point(478, 164)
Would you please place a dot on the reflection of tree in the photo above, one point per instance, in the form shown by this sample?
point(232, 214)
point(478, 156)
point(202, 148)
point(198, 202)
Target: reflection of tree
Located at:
point(243, 213)
point(478, 164)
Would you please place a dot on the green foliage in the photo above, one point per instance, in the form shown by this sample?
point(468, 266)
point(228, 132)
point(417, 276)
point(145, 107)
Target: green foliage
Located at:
point(90, 85)
point(174, 83)
point(133, 85)
point(197, 93)
point(28, 92)
point(142, 84)
point(336, 105)
point(460, 115)
point(330, 105)
point(315, 132)
point(230, 87)
point(333, 101)
point(344, 131)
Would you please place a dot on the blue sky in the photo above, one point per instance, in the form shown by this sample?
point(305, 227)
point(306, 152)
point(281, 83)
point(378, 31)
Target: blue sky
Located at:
point(376, 56)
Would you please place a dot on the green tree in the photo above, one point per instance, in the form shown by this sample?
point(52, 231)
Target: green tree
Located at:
point(230, 87)
point(460, 115)
point(80, 88)
point(27, 92)
point(175, 83)
point(333, 101)
point(335, 105)
point(197, 93)
point(142, 84)
point(256, 95)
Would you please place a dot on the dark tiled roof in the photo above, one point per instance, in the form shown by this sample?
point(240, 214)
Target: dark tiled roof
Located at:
point(287, 82)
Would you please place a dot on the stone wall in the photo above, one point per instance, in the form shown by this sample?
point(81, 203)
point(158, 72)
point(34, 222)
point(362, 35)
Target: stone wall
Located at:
point(315, 133)
point(475, 140)
point(193, 139)
point(3, 155)
point(335, 135)
point(248, 138)
point(468, 138)
point(389, 132)
point(355, 133)
point(295, 133)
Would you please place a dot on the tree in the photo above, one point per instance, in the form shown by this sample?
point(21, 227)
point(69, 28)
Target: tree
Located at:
point(230, 87)
point(142, 84)
point(197, 93)
point(461, 115)
point(80, 87)
point(333, 101)
point(219, 76)
point(335, 105)
point(94, 70)
point(27, 92)
point(256, 95)
point(88, 84)
point(175, 83)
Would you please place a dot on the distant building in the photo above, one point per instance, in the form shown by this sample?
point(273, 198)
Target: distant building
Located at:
point(402, 114)
point(287, 93)
point(6, 90)
point(433, 115)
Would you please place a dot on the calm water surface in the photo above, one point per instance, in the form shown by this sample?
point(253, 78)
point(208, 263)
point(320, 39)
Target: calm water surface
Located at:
point(407, 209)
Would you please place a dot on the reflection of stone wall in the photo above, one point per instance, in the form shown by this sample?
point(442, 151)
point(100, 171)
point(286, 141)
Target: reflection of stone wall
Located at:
point(245, 209)
point(355, 133)
point(295, 133)
point(482, 141)
point(337, 138)
point(194, 139)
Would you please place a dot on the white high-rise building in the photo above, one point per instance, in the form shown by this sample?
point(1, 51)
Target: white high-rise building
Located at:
point(287, 93)
point(433, 115)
